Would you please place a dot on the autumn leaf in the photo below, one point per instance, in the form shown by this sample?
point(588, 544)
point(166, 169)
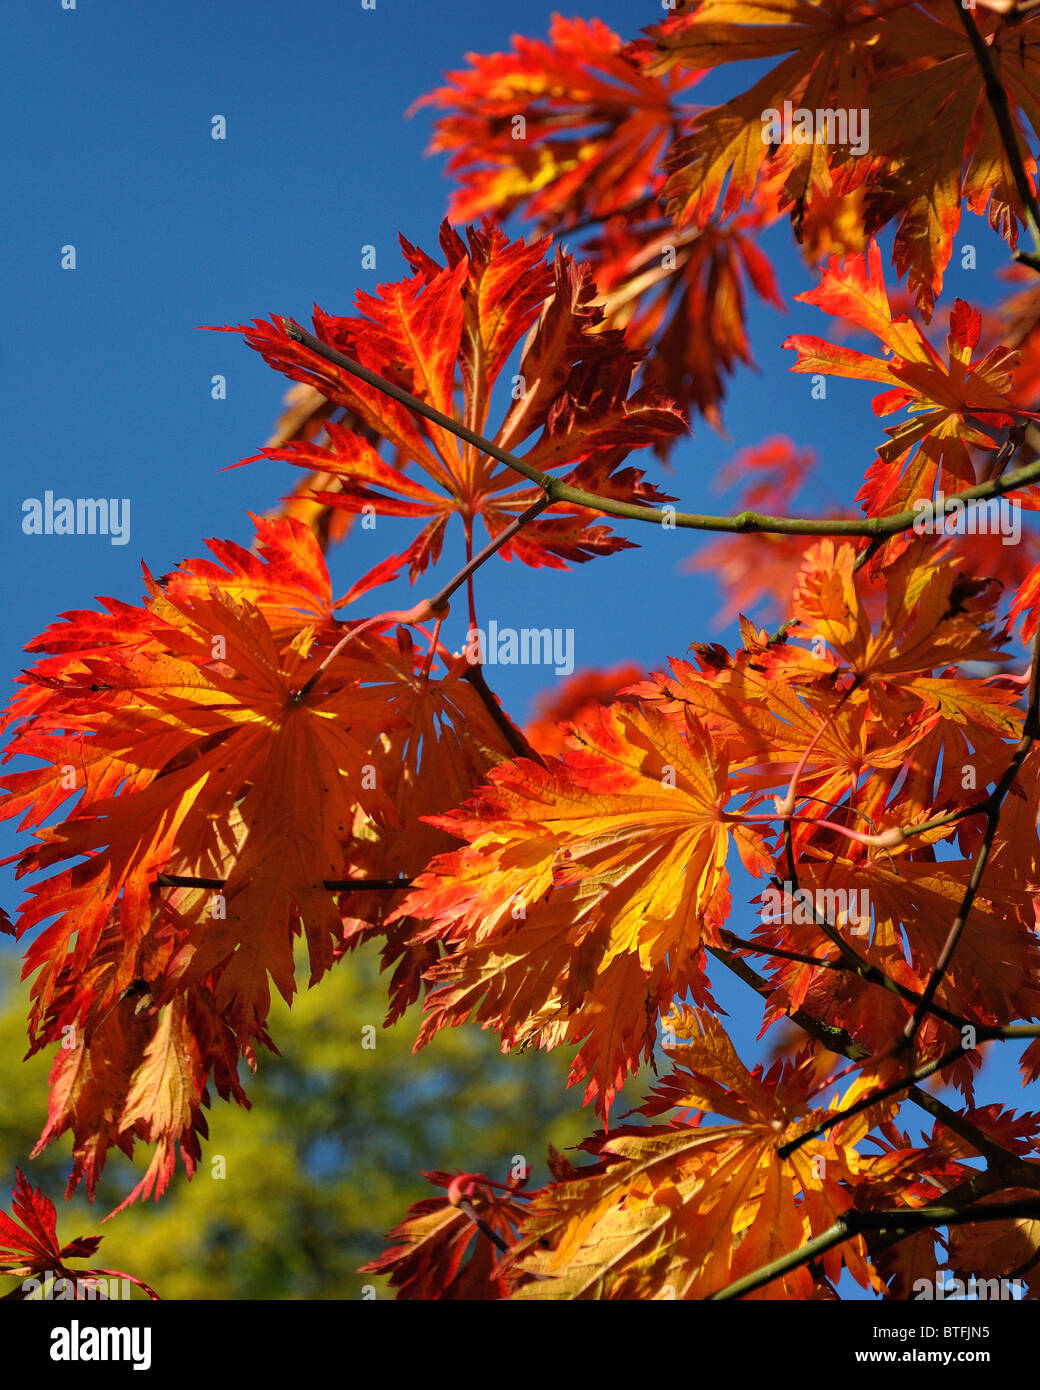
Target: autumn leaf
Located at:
point(942, 142)
point(681, 1211)
point(595, 123)
point(594, 126)
point(142, 1073)
point(951, 402)
point(443, 1253)
point(240, 753)
point(29, 1251)
point(457, 325)
point(686, 297)
point(927, 139)
point(578, 906)
point(833, 58)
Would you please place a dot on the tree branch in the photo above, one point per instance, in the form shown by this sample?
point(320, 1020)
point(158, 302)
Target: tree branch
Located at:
point(870, 974)
point(334, 885)
point(742, 524)
point(855, 1223)
point(998, 103)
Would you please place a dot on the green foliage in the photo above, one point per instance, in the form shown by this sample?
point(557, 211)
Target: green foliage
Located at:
point(327, 1159)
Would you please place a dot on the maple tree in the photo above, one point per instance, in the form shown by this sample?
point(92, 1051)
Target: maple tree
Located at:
point(251, 759)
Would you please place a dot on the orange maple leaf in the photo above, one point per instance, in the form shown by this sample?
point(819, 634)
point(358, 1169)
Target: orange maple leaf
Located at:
point(680, 1211)
point(462, 321)
point(928, 136)
point(950, 401)
point(577, 908)
point(595, 126)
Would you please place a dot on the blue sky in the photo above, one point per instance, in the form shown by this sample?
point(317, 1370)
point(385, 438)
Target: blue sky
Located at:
point(107, 378)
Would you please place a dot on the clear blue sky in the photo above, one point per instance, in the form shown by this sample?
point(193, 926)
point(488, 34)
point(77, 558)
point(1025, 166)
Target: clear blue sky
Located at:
point(107, 380)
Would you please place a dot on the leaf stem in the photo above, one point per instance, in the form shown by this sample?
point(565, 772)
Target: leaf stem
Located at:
point(504, 536)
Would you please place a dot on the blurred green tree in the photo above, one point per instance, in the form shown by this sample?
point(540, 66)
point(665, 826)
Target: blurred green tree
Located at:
point(328, 1159)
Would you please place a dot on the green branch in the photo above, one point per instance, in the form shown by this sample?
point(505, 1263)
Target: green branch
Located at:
point(856, 1223)
point(742, 524)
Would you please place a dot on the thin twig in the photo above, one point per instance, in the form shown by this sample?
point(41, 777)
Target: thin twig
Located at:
point(869, 1101)
point(440, 600)
point(512, 735)
point(740, 944)
point(994, 806)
